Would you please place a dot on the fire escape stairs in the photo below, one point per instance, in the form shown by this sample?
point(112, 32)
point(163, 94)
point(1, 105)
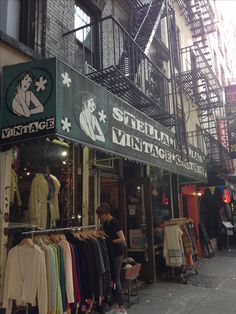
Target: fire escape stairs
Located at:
point(147, 19)
point(131, 75)
point(200, 82)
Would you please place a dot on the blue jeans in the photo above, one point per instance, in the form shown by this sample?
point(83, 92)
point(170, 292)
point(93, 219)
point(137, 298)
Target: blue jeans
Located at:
point(119, 296)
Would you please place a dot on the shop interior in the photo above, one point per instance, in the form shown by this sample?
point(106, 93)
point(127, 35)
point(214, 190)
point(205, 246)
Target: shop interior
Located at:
point(139, 196)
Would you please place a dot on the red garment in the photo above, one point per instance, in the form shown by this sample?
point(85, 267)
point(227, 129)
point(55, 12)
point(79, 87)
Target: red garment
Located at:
point(77, 295)
point(222, 213)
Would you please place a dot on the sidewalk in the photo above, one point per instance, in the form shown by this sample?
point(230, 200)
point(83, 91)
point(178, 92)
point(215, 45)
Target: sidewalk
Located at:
point(212, 291)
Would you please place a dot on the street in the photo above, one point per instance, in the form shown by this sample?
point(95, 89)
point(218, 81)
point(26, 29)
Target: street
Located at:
point(212, 290)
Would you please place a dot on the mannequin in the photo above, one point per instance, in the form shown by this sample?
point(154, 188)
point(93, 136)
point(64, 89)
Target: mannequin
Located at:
point(14, 189)
point(43, 200)
point(15, 211)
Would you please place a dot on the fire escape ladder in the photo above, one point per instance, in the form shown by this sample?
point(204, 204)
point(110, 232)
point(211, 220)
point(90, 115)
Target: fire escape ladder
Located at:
point(177, 102)
point(199, 81)
point(126, 71)
point(147, 19)
point(200, 16)
point(218, 159)
point(135, 4)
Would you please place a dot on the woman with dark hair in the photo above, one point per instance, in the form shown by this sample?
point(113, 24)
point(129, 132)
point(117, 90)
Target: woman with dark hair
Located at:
point(24, 98)
point(116, 243)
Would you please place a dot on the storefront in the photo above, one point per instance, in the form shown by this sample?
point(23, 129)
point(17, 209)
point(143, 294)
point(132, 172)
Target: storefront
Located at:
point(92, 147)
point(217, 205)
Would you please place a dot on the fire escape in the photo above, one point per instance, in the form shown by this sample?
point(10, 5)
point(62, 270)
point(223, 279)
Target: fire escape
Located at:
point(199, 82)
point(146, 21)
point(123, 68)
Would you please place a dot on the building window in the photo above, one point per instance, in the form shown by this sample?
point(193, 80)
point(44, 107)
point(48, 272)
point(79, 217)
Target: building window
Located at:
point(87, 37)
point(200, 140)
point(181, 126)
point(17, 19)
point(175, 40)
point(10, 18)
point(82, 19)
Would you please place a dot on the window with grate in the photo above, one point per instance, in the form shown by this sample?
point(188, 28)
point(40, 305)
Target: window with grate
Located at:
point(175, 33)
point(200, 140)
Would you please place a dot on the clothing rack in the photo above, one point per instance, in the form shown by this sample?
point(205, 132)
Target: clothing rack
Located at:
point(188, 270)
point(177, 221)
point(61, 249)
point(57, 230)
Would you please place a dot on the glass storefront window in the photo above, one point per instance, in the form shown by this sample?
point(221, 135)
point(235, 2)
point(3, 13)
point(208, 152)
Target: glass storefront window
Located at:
point(161, 203)
point(42, 184)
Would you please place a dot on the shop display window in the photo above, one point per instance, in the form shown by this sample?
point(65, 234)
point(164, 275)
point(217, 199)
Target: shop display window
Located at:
point(161, 203)
point(42, 184)
point(136, 217)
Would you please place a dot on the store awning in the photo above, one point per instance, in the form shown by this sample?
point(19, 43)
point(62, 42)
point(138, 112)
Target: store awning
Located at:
point(48, 97)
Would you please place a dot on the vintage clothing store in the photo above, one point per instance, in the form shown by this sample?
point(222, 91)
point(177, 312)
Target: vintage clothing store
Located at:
point(68, 144)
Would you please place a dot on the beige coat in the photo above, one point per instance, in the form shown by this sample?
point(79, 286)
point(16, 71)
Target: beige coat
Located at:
point(38, 201)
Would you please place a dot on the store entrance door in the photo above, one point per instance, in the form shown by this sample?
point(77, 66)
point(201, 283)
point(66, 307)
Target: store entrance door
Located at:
point(139, 223)
point(109, 193)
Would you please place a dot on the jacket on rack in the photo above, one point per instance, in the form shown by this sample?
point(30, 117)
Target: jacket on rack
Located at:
point(25, 278)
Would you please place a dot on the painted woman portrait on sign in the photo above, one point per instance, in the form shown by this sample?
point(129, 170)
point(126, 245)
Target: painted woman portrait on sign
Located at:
point(25, 103)
point(88, 121)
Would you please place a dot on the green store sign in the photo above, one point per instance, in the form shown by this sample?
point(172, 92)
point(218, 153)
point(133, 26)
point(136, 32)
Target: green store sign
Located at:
point(48, 97)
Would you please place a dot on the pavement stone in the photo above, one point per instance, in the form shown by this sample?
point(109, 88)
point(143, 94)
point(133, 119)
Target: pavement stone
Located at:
point(211, 291)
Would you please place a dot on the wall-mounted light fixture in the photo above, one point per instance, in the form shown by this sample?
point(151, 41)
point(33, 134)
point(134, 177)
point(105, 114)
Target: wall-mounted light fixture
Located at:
point(198, 192)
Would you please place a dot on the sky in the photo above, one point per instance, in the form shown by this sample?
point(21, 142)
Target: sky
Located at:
point(229, 7)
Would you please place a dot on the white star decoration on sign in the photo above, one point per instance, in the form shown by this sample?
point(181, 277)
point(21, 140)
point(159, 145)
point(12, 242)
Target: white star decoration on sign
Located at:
point(66, 125)
point(66, 79)
point(102, 116)
point(41, 84)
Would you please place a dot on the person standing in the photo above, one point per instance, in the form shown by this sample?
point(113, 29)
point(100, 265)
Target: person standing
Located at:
point(116, 242)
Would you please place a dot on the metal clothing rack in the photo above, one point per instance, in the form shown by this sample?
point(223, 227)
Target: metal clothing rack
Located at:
point(57, 230)
point(178, 221)
point(188, 270)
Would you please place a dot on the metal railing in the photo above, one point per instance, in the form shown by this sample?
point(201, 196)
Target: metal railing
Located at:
point(199, 80)
point(106, 45)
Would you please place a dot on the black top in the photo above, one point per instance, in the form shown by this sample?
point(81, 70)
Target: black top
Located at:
point(111, 228)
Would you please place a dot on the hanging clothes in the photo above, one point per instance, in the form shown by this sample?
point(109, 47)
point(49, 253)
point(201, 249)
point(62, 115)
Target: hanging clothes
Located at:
point(187, 243)
point(59, 274)
point(25, 278)
point(15, 211)
point(173, 246)
point(43, 201)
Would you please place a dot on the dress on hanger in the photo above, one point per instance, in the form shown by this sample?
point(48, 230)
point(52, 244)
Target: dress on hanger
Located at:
point(43, 200)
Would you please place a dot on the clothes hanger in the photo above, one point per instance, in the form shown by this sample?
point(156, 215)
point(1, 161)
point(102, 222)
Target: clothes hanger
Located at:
point(27, 242)
point(55, 238)
point(77, 233)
